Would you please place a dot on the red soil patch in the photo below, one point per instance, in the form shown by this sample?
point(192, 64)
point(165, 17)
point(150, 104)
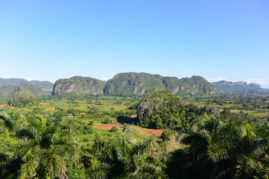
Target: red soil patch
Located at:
point(2, 105)
point(157, 132)
point(83, 113)
point(52, 108)
point(109, 126)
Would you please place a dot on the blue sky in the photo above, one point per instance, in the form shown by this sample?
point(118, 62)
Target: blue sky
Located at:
point(48, 40)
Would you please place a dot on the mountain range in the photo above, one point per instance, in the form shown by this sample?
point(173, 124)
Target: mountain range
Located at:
point(128, 84)
point(134, 84)
point(9, 85)
point(240, 88)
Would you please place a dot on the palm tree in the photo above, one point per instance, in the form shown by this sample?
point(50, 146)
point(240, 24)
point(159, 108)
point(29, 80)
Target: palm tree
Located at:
point(43, 150)
point(119, 159)
point(218, 149)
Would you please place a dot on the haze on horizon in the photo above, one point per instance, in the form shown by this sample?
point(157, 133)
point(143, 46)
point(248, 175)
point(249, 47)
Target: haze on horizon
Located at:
point(219, 40)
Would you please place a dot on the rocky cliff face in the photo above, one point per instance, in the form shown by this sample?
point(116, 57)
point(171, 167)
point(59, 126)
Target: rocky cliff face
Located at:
point(196, 85)
point(78, 85)
point(134, 84)
point(139, 84)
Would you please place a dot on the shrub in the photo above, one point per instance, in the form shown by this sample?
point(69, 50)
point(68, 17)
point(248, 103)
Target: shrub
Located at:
point(160, 109)
point(107, 121)
point(167, 135)
point(114, 129)
point(91, 123)
point(92, 110)
point(22, 99)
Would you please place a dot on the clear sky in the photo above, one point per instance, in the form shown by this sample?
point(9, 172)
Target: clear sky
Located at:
point(217, 39)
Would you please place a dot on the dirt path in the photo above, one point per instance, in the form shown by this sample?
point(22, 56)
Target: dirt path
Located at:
point(109, 126)
point(157, 132)
point(2, 106)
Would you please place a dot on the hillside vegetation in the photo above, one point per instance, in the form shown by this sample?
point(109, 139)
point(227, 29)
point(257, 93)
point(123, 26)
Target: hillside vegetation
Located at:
point(9, 90)
point(22, 99)
point(130, 85)
point(78, 85)
point(8, 85)
point(163, 109)
point(134, 84)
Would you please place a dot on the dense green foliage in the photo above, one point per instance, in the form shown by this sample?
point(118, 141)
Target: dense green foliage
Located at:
point(22, 99)
point(163, 109)
point(160, 109)
point(47, 148)
point(254, 105)
point(205, 137)
point(222, 147)
point(121, 159)
point(44, 146)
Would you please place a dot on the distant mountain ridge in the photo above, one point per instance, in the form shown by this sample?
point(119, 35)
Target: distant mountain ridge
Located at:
point(8, 85)
point(9, 90)
point(128, 84)
point(134, 84)
point(240, 87)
